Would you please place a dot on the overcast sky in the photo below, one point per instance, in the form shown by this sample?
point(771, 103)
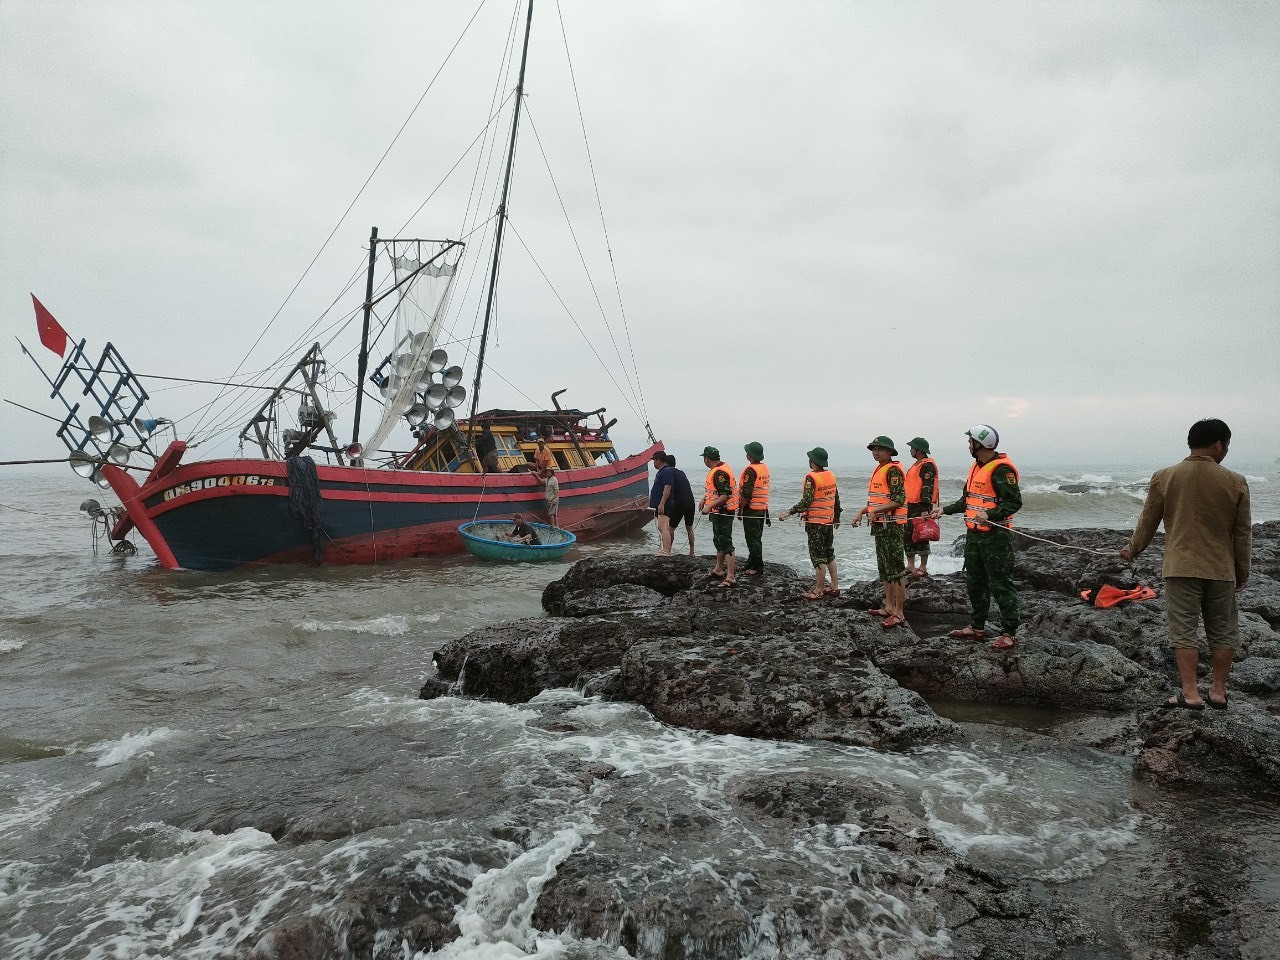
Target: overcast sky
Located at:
point(828, 220)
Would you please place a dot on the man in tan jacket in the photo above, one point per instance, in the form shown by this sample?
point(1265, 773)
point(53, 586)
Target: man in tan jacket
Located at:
point(1207, 540)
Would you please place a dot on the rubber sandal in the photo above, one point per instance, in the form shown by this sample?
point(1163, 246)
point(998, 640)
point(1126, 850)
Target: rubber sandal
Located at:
point(810, 595)
point(1181, 703)
point(919, 574)
point(1215, 704)
point(1004, 642)
point(724, 584)
point(893, 620)
point(968, 633)
point(831, 592)
point(878, 612)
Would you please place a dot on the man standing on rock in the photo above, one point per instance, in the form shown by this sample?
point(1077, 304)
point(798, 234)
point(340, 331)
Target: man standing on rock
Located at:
point(820, 506)
point(887, 509)
point(680, 506)
point(1208, 537)
point(922, 497)
point(991, 498)
point(753, 497)
point(660, 498)
point(720, 502)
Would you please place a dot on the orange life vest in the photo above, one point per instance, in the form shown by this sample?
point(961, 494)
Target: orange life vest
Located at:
point(878, 494)
point(822, 509)
point(731, 505)
point(914, 483)
point(760, 491)
point(980, 493)
point(1108, 596)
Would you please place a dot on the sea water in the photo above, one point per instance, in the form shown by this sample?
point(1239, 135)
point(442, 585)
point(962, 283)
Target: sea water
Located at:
point(188, 759)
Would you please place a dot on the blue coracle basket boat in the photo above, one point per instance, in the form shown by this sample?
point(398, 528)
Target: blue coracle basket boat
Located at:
point(487, 540)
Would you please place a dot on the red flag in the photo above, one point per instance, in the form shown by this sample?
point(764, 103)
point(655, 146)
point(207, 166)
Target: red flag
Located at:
point(51, 333)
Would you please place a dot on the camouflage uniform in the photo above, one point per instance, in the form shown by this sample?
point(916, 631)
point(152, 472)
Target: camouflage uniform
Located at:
point(890, 559)
point(752, 522)
point(928, 477)
point(988, 557)
point(722, 522)
point(822, 540)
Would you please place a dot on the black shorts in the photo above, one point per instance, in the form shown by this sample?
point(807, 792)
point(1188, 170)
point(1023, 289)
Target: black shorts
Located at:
point(680, 511)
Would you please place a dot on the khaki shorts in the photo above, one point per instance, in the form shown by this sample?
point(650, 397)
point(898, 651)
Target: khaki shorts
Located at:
point(1188, 599)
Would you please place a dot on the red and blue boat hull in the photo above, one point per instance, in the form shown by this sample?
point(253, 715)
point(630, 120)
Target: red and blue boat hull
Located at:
point(224, 514)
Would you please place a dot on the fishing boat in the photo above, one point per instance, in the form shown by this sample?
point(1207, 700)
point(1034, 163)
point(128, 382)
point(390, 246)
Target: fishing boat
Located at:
point(303, 494)
point(490, 540)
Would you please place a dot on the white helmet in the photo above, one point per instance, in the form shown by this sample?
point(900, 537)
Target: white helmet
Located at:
point(983, 435)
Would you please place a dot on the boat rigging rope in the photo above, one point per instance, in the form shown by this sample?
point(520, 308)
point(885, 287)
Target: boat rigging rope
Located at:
point(573, 79)
point(350, 206)
point(574, 319)
point(590, 279)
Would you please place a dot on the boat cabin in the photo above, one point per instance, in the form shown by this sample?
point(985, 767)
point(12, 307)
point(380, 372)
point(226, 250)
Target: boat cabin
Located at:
point(574, 441)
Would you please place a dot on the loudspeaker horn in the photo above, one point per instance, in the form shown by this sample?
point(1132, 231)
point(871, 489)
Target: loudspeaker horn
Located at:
point(100, 426)
point(435, 396)
point(83, 464)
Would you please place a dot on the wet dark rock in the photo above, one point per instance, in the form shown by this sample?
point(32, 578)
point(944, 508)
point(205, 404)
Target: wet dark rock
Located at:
point(1040, 671)
point(757, 660)
point(1234, 748)
point(801, 686)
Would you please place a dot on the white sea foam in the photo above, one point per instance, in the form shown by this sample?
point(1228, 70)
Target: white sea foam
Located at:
point(33, 806)
point(129, 746)
point(8, 645)
point(390, 625)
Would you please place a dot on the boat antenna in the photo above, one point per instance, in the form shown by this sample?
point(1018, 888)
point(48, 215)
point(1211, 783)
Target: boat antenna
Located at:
point(363, 365)
point(502, 221)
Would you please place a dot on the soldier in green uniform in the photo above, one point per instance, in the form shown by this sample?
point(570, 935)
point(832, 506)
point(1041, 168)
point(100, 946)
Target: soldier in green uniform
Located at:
point(886, 511)
point(753, 507)
point(820, 506)
point(991, 498)
point(720, 503)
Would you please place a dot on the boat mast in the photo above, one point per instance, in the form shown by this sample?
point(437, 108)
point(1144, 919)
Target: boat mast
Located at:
point(502, 221)
point(363, 367)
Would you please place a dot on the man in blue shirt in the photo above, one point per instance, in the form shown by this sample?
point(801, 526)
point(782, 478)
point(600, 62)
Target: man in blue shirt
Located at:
point(662, 495)
point(681, 506)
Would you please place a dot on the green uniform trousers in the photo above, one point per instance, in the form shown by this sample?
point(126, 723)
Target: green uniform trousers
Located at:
point(988, 575)
point(753, 533)
point(722, 532)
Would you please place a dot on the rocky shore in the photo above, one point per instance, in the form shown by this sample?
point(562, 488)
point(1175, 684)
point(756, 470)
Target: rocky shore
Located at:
point(760, 661)
point(1195, 875)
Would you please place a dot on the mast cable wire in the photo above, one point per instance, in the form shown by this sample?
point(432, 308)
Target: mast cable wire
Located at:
point(352, 204)
point(573, 78)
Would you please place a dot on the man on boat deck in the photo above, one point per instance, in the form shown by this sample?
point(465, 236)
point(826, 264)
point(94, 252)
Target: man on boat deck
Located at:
point(820, 506)
point(551, 490)
point(922, 497)
point(660, 499)
point(720, 502)
point(681, 505)
point(753, 497)
point(521, 532)
point(1208, 540)
point(887, 509)
point(487, 450)
point(542, 457)
point(991, 497)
